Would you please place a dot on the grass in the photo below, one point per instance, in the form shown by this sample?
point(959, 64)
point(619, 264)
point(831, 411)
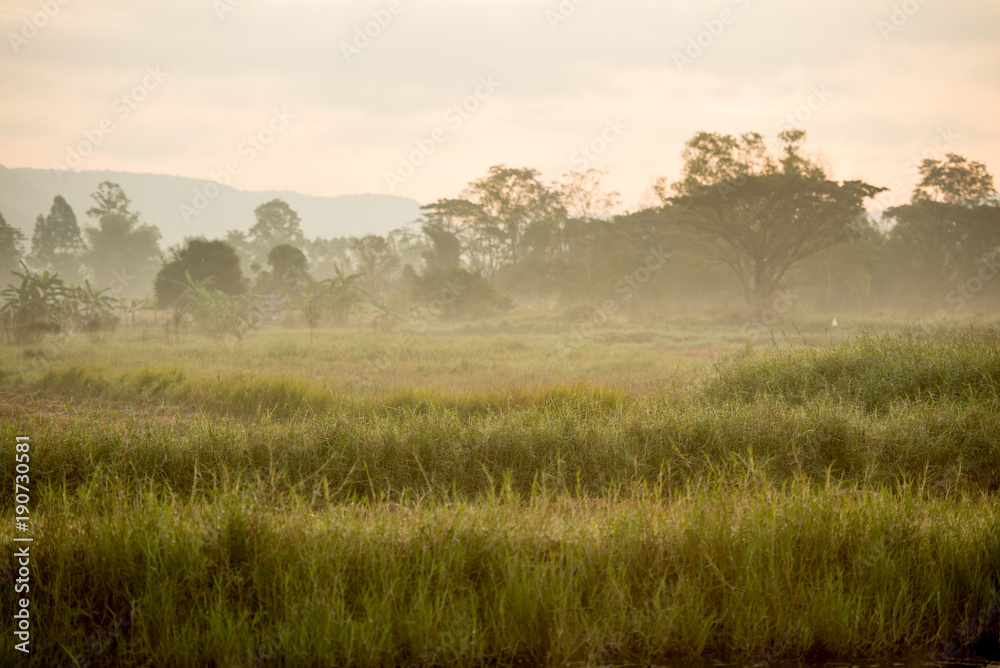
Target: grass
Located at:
point(837, 501)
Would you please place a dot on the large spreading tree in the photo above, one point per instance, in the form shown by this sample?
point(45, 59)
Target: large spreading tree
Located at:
point(762, 213)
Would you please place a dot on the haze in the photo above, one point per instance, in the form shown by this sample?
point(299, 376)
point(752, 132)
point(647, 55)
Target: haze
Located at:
point(881, 94)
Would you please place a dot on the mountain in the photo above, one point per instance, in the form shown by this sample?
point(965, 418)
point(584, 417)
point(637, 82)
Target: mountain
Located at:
point(173, 204)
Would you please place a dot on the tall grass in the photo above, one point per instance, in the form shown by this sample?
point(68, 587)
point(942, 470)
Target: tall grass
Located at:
point(949, 447)
point(829, 502)
point(739, 573)
point(872, 371)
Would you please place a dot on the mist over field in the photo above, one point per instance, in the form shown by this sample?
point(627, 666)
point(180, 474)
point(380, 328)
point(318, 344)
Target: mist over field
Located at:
point(506, 333)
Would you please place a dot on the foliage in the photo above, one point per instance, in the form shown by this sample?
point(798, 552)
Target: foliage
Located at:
point(56, 243)
point(289, 273)
point(761, 213)
point(277, 223)
point(459, 293)
point(38, 306)
point(343, 294)
point(951, 224)
point(92, 311)
point(123, 254)
point(376, 258)
point(771, 517)
point(11, 250)
point(201, 260)
point(218, 313)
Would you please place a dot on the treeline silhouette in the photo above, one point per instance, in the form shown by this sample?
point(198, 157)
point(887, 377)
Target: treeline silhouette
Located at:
point(747, 223)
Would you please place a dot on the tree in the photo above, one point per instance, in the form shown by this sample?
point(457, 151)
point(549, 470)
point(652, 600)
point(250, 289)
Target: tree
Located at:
point(459, 293)
point(277, 223)
point(446, 247)
point(762, 214)
point(123, 253)
point(218, 313)
point(343, 293)
point(461, 218)
point(288, 263)
point(11, 251)
point(375, 258)
point(588, 206)
point(954, 180)
point(951, 222)
point(508, 201)
point(201, 260)
point(38, 306)
point(325, 255)
point(56, 244)
point(288, 274)
point(92, 310)
point(110, 200)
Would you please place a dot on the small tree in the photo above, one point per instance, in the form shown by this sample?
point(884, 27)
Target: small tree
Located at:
point(38, 306)
point(376, 258)
point(92, 311)
point(277, 223)
point(56, 243)
point(202, 260)
point(344, 294)
point(219, 314)
point(11, 251)
point(123, 253)
point(457, 293)
point(289, 272)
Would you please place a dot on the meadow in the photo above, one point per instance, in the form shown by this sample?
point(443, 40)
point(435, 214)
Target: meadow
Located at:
point(668, 494)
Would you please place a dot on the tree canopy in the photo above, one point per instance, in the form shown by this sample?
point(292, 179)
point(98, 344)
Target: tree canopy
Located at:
point(762, 213)
point(210, 263)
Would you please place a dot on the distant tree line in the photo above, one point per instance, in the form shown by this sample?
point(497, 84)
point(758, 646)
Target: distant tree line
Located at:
point(743, 222)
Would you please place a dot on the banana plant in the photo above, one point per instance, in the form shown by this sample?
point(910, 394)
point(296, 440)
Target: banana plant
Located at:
point(39, 305)
point(343, 293)
point(218, 313)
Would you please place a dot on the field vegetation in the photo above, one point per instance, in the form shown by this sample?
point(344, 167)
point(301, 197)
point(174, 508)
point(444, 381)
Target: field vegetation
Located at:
point(667, 495)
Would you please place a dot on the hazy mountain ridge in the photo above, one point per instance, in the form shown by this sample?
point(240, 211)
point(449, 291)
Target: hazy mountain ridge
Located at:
point(26, 192)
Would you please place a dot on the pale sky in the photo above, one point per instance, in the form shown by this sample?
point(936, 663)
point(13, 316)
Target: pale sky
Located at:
point(889, 81)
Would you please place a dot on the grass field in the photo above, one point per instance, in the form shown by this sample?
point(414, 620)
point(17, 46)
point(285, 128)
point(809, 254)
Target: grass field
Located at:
point(669, 495)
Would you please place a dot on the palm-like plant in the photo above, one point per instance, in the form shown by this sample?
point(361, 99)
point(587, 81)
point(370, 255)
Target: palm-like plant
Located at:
point(92, 309)
point(39, 305)
point(343, 293)
point(218, 313)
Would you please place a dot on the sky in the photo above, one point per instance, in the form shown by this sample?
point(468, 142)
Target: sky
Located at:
point(418, 98)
